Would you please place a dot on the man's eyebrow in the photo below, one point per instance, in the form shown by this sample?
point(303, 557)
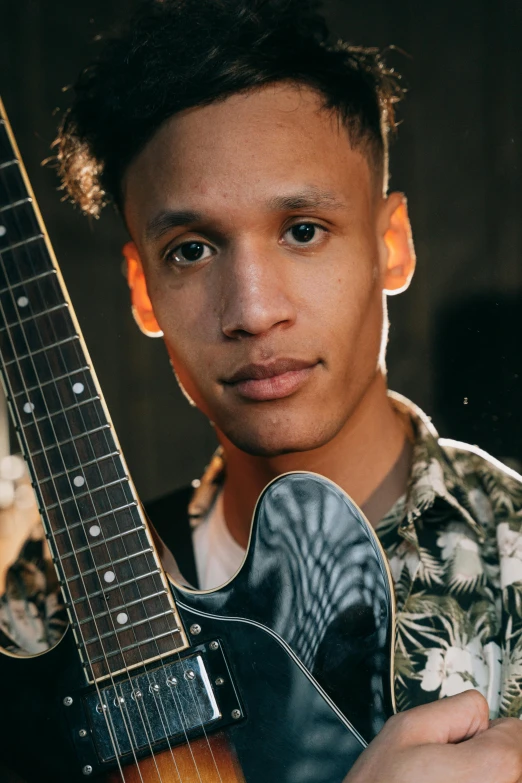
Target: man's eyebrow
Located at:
point(311, 198)
point(167, 219)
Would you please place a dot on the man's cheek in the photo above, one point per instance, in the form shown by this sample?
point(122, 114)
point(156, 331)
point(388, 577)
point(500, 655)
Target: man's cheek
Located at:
point(190, 377)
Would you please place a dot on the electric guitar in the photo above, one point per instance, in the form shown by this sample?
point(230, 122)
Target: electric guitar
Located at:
point(283, 674)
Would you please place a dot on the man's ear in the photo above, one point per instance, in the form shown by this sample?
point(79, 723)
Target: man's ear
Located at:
point(141, 304)
point(400, 252)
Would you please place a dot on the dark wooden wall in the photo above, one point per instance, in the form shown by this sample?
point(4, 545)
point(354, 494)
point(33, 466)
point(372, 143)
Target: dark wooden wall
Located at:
point(456, 334)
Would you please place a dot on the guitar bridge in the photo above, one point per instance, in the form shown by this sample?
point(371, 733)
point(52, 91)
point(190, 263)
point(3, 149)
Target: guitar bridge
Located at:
point(153, 708)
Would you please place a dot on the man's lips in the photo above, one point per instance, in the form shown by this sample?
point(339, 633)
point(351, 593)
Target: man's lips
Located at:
point(271, 381)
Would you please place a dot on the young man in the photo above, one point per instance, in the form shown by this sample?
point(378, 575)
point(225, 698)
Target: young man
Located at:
point(249, 162)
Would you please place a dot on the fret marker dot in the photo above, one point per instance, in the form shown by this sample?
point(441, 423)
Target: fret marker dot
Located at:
point(78, 388)
point(28, 407)
point(22, 301)
point(78, 481)
point(3, 231)
point(95, 530)
point(122, 618)
point(109, 576)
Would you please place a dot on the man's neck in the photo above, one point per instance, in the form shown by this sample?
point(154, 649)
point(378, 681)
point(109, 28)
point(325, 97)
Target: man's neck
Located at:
point(357, 459)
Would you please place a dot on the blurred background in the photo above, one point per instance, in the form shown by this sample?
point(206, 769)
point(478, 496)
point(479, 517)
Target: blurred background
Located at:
point(455, 345)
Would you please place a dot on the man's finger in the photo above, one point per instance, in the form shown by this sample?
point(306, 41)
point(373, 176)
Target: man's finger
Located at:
point(449, 720)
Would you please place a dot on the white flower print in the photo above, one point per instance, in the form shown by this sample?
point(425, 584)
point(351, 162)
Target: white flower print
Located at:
point(510, 550)
point(455, 669)
point(405, 556)
point(461, 552)
point(430, 483)
point(481, 505)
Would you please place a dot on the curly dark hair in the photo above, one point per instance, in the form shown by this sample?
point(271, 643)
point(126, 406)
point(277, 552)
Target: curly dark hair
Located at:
point(178, 54)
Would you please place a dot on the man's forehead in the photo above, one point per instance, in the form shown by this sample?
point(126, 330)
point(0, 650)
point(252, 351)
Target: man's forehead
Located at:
point(286, 160)
point(283, 118)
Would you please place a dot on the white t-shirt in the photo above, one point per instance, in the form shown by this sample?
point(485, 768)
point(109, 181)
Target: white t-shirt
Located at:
point(218, 556)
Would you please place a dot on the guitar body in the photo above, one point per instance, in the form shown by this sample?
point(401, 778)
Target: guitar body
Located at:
point(315, 576)
point(297, 646)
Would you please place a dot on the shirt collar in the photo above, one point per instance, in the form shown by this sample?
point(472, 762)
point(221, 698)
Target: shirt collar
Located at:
point(433, 475)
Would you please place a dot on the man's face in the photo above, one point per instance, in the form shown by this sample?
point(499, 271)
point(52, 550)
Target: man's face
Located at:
point(260, 231)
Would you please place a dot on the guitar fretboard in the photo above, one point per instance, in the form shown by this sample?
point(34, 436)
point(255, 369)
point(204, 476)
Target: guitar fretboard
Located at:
point(118, 600)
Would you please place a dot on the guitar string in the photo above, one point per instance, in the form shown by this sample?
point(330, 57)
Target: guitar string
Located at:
point(80, 572)
point(182, 717)
point(8, 330)
point(194, 699)
point(190, 685)
point(30, 356)
point(165, 728)
point(148, 732)
point(132, 570)
point(111, 731)
point(172, 691)
point(142, 598)
point(132, 744)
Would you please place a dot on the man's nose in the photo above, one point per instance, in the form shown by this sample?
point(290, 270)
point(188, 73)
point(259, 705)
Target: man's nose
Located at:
point(257, 295)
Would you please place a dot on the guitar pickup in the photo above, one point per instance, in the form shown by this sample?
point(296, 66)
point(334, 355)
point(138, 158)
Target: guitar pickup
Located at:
point(154, 707)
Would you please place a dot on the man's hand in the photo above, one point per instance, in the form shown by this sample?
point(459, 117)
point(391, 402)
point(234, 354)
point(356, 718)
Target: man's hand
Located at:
point(449, 741)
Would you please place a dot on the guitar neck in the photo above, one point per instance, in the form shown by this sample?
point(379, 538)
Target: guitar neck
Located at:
point(119, 603)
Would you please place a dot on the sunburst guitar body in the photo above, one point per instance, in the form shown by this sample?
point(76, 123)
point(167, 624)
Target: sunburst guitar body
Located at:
point(282, 674)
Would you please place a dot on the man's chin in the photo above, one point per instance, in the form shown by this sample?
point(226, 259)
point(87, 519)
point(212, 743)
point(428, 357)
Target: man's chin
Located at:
point(270, 442)
point(268, 450)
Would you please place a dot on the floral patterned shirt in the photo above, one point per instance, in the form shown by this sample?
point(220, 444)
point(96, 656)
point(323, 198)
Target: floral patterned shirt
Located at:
point(454, 542)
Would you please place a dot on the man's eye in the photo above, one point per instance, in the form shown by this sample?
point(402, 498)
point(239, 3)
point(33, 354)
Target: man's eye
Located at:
point(188, 253)
point(304, 233)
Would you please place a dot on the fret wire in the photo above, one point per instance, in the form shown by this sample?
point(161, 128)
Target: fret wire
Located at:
point(15, 204)
point(65, 409)
point(95, 518)
point(41, 350)
point(8, 163)
point(79, 467)
point(53, 380)
point(99, 615)
point(33, 318)
point(133, 646)
point(71, 440)
point(27, 280)
point(85, 494)
point(119, 560)
point(115, 587)
point(7, 248)
point(126, 627)
point(95, 544)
